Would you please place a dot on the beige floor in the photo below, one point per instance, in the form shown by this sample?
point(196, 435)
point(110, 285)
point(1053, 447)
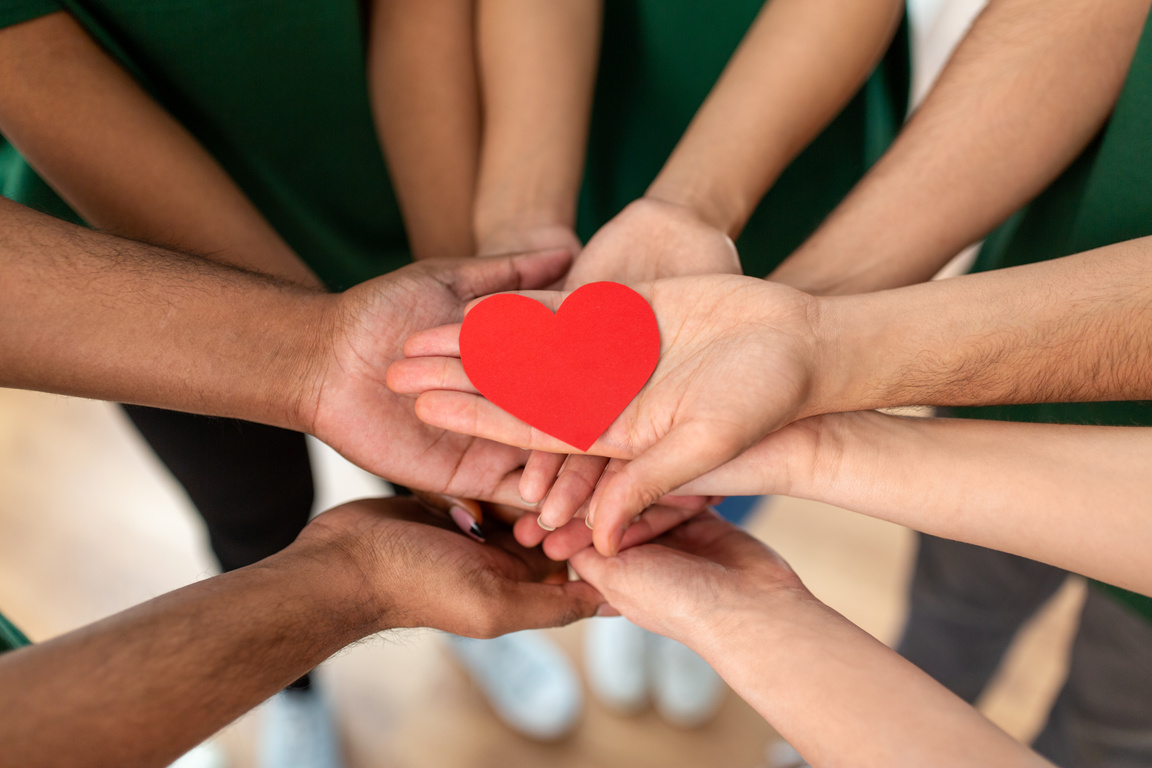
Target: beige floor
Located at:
point(89, 524)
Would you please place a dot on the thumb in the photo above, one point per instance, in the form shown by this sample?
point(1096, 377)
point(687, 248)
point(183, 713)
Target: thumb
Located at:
point(480, 276)
point(532, 605)
point(686, 452)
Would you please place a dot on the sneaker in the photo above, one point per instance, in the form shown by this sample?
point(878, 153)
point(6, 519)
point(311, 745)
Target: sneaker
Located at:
point(615, 652)
point(527, 680)
point(207, 755)
point(780, 754)
point(298, 730)
point(687, 692)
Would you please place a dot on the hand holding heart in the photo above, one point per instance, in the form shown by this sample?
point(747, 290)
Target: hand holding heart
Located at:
point(735, 364)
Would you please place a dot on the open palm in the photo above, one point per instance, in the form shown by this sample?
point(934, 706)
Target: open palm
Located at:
point(735, 365)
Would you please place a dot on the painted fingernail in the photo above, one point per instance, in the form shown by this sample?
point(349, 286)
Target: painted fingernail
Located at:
point(466, 523)
point(540, 522)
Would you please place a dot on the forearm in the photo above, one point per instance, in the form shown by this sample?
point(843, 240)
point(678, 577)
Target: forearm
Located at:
point(842, 698)
point(425, 98)
point(1072, 496)
point(146, 685)
point(119, 159)
point(95, 315)
point(797, 67)
point(1026, 91)
point(537, 69)
point(1066, 330)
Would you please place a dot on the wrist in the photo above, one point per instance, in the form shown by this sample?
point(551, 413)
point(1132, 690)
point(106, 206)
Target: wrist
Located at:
point(327, 584)
point(718, 207)
point(309, 360)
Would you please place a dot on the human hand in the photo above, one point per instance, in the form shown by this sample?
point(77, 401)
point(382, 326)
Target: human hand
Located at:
point(648, 240)
point(652, 239)
point(413, 569)
point(739, 361)
point(688, 583)
point(349, 406)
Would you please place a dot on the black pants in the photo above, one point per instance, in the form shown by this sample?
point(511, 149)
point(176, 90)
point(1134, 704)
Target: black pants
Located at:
point(251, 483)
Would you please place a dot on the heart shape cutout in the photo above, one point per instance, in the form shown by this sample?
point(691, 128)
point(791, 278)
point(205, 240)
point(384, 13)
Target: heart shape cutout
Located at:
point(569, 374)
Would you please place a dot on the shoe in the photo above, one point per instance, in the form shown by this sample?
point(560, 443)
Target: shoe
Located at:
point(780, 754)
point(686, 691)
point(206, 755)
point(527, 680)
point(298, 730)
point(615, 661)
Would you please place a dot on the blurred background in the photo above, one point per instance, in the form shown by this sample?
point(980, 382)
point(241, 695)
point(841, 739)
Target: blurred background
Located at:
point(90, 523)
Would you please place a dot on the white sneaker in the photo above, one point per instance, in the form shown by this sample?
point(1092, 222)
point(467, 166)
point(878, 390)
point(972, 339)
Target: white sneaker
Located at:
point(615, 660)
point(686, 691)
point(780, 754)
point(527, 680)
point(206, 755)
point(298, 730)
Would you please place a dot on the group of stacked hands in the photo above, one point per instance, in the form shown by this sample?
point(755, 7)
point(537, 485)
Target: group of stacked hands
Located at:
point(760, 388)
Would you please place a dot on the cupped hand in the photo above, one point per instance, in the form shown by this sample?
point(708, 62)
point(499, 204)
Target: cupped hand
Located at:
point(738, 361)
point(419, 571)
point(350, 407)
point(652, 239)
point(689, 582)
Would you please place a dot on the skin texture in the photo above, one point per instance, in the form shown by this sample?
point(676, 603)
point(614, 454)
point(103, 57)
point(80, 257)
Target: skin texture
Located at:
point(797, 66)
point(426, 102)
point(817, 678)
point(1025, 92)
point(145, 685)
point(118, 158)
point(94, 315)
point(1037, 333)
point(1071, 496)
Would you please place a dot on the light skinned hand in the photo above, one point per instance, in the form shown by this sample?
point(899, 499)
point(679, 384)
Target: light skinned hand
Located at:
point(648, 240)
point(418, 570)
point(736, 364)
point(692, 580)
point(349, 406)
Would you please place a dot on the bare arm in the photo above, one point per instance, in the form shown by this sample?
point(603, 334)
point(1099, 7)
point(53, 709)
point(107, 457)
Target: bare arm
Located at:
point(425, 96)
point(118, 158)
point(835, 693)
point(743, 357)
point(147, 684)
point(796, 68)
point(1025, 92)
point(537, 69)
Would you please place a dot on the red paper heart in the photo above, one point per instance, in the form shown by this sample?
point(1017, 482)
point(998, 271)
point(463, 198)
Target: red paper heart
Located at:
point(568, 374)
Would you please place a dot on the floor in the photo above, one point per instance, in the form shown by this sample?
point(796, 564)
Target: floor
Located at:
point(90, 524)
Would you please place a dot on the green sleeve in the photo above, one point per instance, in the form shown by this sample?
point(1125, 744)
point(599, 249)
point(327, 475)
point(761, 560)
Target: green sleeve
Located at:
point(10, 637)
point(15, 11)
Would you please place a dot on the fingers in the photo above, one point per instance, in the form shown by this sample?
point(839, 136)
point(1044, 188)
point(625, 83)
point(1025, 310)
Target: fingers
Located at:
point(471, 414)
point(550, 299)
point(575, 536)
point(416, 375)
point(572, 489)
point(480, 276)
point(539, 473)
point(525, 605)
point(687, 451)
point(443, 341)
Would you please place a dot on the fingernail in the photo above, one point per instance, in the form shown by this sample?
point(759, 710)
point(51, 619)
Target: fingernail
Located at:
point(466, 523)
point(526, 502)
point(606, 610)
point(614, 541)
point(588, 522)
point(540, 522)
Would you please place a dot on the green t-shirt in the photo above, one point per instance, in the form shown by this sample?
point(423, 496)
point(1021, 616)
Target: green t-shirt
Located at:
point(1105, 197)
point(11, 638)
point(277, 91)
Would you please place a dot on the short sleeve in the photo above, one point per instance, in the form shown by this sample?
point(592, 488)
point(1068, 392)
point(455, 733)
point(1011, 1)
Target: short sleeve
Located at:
point(15, 11)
